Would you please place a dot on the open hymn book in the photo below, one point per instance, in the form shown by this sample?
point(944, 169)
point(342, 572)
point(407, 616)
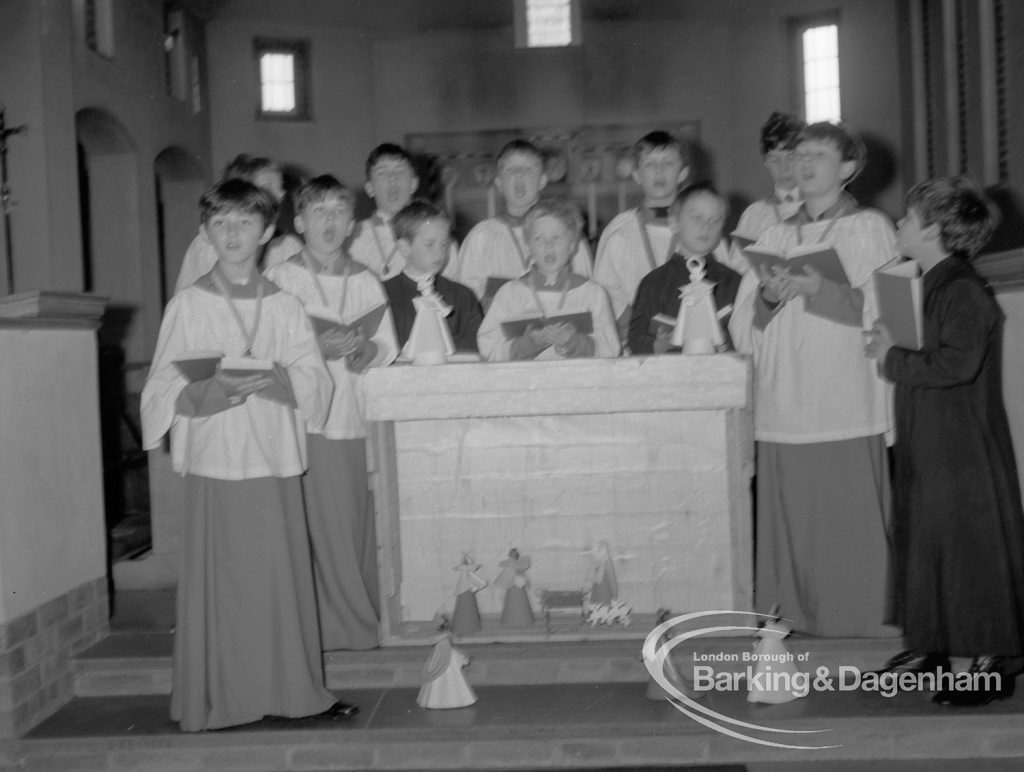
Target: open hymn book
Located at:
point(325, 320)
point(898, 286)
point(202, 365)
point(514, 328)
point(821, 257)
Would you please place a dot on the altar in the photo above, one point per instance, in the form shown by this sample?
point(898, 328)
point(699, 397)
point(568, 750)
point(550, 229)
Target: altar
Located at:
point(651, 455)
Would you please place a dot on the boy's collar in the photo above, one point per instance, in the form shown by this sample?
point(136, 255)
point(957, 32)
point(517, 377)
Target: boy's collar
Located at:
point(657, 215)
point(513, 221)
point(416, 276)
point(845, 205)
point(338, 265)
point(564, 280)
point(381, 218)
point(785, 196)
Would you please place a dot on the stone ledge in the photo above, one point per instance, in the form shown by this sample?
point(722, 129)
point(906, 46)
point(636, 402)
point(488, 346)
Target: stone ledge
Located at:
point(955, 737)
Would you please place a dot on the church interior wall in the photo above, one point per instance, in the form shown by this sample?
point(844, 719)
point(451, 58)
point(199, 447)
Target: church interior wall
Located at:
point(725, 64)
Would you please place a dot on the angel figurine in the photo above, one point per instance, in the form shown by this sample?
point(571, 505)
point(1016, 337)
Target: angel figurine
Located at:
point(697, 330)
point(466, 617)
point(430, 341)
point(515, 610)
point(444, 684)
point(774, 675)
point(604, 587)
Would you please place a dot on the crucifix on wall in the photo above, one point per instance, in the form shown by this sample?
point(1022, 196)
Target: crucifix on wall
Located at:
point(5, 195)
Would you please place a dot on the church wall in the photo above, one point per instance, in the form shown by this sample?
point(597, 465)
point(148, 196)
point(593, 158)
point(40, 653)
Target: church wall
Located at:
point(130, 88)
point(725, 64)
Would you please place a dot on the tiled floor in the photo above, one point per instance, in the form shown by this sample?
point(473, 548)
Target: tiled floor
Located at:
point(539, 726)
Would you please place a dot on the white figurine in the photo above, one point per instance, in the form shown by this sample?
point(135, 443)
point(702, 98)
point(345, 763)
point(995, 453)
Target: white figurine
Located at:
point(430, 341)
point(774, 680)
point(444, 685)
point(604, 587)
point(697, 328)
point(466, 617)
point(515, 610)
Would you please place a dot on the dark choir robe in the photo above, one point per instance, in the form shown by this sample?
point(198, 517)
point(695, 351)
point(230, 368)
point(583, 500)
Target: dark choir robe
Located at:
point(463, 321)
point(658, 293)
point(957, 522)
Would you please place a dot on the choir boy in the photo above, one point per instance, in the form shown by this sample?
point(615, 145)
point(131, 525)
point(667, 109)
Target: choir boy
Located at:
point(821, 412)
point(246, 643)
point(422, 235)
point(696, 218)
point(391, 182)
point(341, 528)
point(549, 289)
point(495, 249)
point(263, 173)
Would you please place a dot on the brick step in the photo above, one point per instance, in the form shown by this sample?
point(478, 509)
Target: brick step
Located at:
point(140, 663)
point(567, 726)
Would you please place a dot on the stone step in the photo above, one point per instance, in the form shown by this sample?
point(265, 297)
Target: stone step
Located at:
point(566, 726)
point(140, 663)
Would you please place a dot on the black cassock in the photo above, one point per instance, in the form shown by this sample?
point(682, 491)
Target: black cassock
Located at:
point(957, 523)
point(463, 321)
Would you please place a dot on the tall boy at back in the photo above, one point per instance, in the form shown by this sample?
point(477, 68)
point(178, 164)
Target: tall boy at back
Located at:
point(957, 522)
point(496, 247)
point(778, 142)
point(639, 240)
point(341, 528)
point(265, 174)
point(391, 182)
point(246, 643)
point(820, 410)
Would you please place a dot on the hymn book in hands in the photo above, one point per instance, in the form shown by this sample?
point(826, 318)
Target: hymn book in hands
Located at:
point(821, 257)
point(202, 365)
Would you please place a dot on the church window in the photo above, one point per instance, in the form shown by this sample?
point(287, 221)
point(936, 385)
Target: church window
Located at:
point(819, 70)
point(547, 23)
point(283, 68)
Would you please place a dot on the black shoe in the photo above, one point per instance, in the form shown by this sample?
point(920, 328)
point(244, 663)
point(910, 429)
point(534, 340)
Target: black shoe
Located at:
point(339, 711)
point(913, 662)
point(992, 681)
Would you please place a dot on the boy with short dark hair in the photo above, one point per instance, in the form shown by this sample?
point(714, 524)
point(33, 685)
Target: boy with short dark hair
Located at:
point(496, 248)
point(957, 520)
point(778, 142)
point(696, 218)
point(639, 240)
point(391, 181)
point(552, 229)
point(329, 282)
point(422, 237)
point(245, 570)
point(265, 174)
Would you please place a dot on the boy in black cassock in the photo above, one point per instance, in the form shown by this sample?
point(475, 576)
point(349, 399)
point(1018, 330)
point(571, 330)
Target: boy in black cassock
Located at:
point(957, 521)
point(696, 218)
point(422, 238)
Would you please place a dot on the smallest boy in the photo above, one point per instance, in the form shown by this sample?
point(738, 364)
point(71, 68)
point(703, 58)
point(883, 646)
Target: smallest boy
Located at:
point(422, 238)
point(496, 247)
point(391, 181)
point(552, 229)
point(696, 218)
